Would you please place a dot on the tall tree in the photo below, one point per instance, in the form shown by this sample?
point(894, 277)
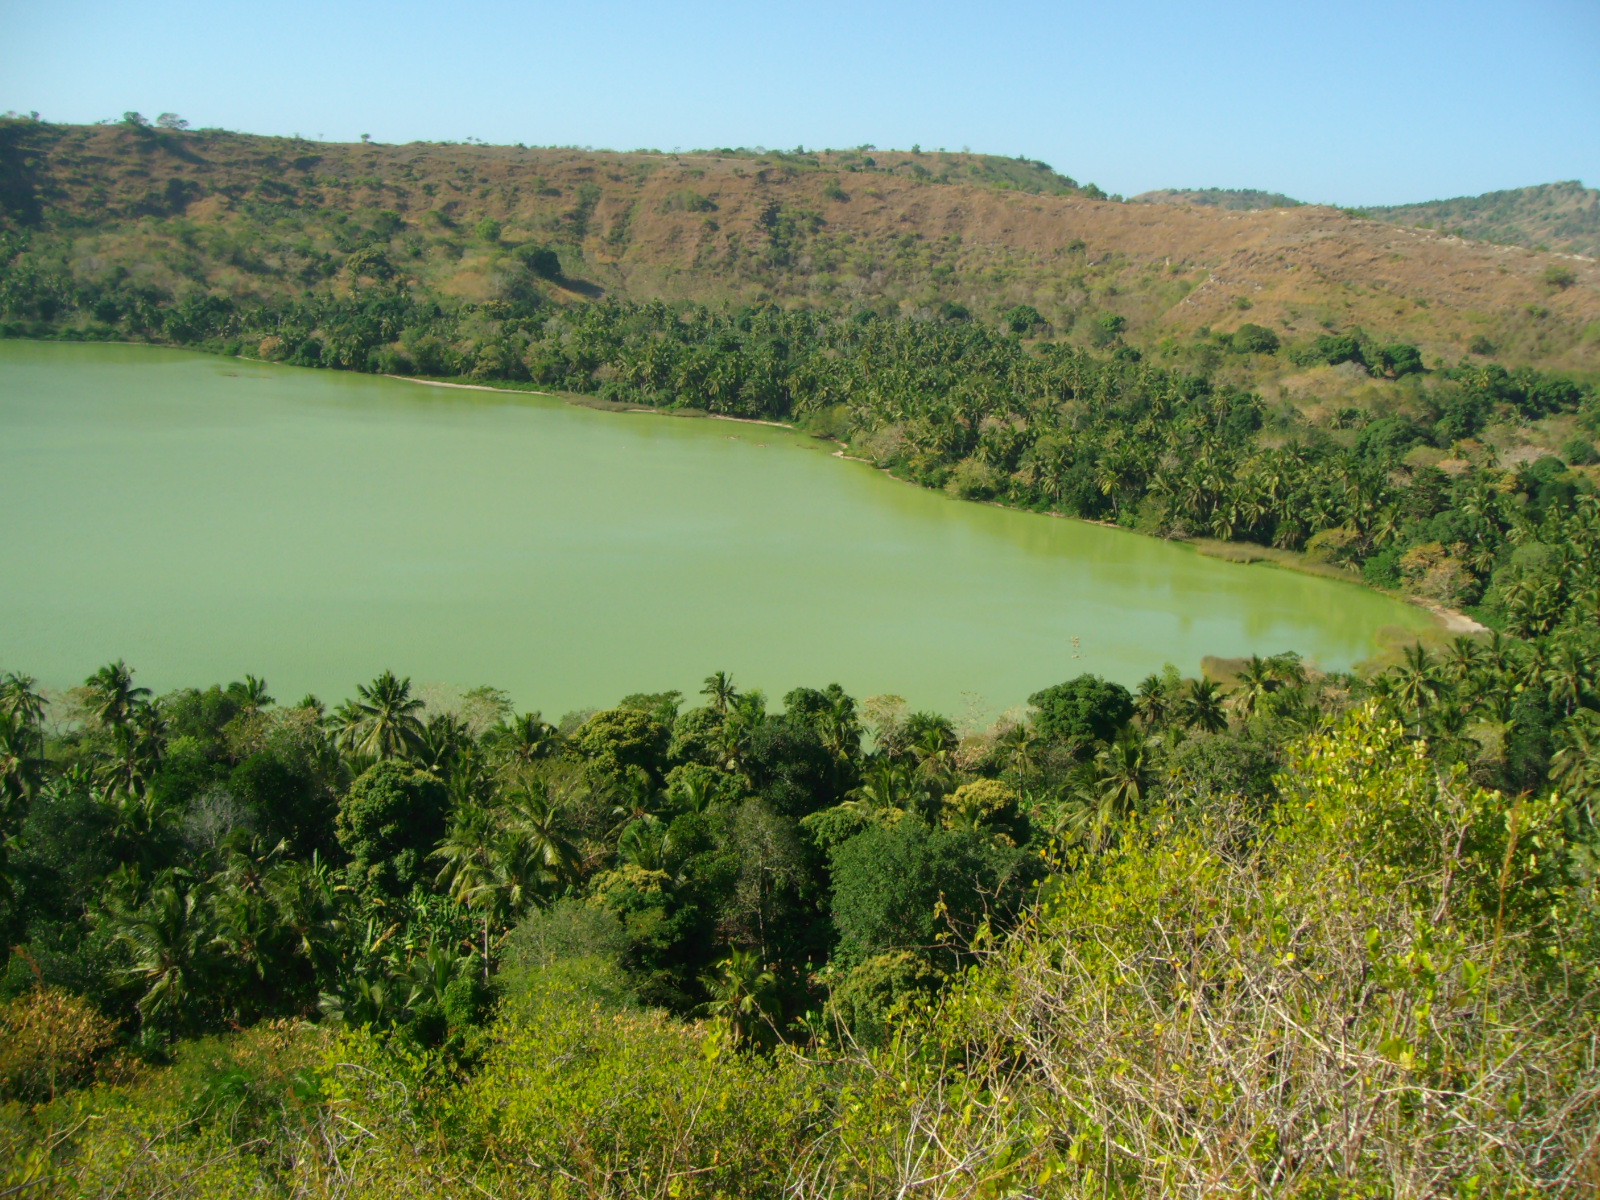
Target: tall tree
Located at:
point(382, 721)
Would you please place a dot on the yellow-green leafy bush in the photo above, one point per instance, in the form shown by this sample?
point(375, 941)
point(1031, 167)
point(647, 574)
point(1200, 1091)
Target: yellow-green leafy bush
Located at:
point(1389, 994)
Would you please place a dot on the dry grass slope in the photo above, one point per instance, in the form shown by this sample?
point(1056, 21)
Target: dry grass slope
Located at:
point(918, 231)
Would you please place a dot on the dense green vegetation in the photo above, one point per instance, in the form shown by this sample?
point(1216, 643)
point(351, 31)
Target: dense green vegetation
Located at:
point(1560, 216)
point(671, 949)
point(1239, 199)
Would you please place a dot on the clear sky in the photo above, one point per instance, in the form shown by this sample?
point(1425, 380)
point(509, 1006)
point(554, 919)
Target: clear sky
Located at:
point(1353, 102)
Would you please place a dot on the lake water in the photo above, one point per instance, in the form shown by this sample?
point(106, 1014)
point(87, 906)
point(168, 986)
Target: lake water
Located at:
point(204, 517)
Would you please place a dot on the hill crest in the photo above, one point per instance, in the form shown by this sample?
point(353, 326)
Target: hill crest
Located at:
point(920, 232)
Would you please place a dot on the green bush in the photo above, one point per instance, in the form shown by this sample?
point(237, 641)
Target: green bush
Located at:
point(1022, 318)
point(389, 822)
point(1082, 710)
point(910, 887)
point(1579, 451)
point(872, 995)
point(1254, 339)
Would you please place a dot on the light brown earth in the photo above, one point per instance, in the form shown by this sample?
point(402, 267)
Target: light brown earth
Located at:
point(910, 230)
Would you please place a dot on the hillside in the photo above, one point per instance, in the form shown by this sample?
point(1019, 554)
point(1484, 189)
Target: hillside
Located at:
point(1553, 216)
point(130, 211)
point(1244, 199)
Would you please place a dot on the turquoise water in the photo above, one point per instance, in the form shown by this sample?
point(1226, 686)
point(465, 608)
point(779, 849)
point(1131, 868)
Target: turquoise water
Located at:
point(206, 517)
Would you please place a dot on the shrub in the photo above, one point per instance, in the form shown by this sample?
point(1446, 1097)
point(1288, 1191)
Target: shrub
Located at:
point(687, 200)
point(1397, 359)
point(541, 260)
point(1254, 339)
point(1022, 318)
point(579, 1099)
point(1579, 451)
point(1558, 276)
point(1397, 956)
point(871, 996)
point(49, 1040)
point(1084, 709)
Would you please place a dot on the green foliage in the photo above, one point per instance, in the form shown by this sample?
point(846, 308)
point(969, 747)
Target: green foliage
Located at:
point(388, 823)
point(617, 739)
point(541, 260)
point(1082, 710)
point(1331, 350)
point(1254, 339)
point(909, 887)
point(1022, 318)
point(882, 988)
point(1561, 215)
point(1579, 451)
point(687, 200)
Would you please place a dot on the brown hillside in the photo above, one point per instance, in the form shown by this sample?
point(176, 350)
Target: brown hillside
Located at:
point(242, 213)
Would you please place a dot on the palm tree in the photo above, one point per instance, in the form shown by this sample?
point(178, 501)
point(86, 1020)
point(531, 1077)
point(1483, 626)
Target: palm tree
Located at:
point(1569, 675)
point(533, 814)
point(444, 741)
point(307, 908)
point(138, 745)
point(743, 996)
point(1463, 659)
point(644, 844)
point(694, 792)
point(165, 938)
point(838, 726)
point(1118, 780)
point(1446, 730)
point(1021, 745)
point(21, 766)
point(254, 694)
point(382, 722)
point(471, 875)
point(719, 687)
point(112, 696)
point(531, 738)
point(1416, 684)
point(20, 700)
point(1200, 707)
point(1151, 703)
point(889, 785)
point(1575, 768)
point(1254, 684)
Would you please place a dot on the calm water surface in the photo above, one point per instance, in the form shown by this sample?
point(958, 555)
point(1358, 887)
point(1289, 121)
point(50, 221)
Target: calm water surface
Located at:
point(205, 517)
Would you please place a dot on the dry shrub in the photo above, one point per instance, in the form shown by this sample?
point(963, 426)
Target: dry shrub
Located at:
point(50, 1039)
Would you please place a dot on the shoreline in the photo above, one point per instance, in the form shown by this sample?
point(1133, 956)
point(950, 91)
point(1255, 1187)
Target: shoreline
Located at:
point(577, 399)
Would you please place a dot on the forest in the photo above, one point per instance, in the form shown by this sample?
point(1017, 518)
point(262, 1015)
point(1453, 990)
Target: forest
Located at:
point(1287, 933)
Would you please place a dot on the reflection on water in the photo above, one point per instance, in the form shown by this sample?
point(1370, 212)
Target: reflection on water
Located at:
point(205, 517)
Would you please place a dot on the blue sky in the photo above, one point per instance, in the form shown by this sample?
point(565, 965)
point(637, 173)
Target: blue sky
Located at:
point(1347, 103)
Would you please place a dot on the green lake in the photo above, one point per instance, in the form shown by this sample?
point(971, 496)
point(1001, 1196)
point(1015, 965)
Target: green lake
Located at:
point(205, 517)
